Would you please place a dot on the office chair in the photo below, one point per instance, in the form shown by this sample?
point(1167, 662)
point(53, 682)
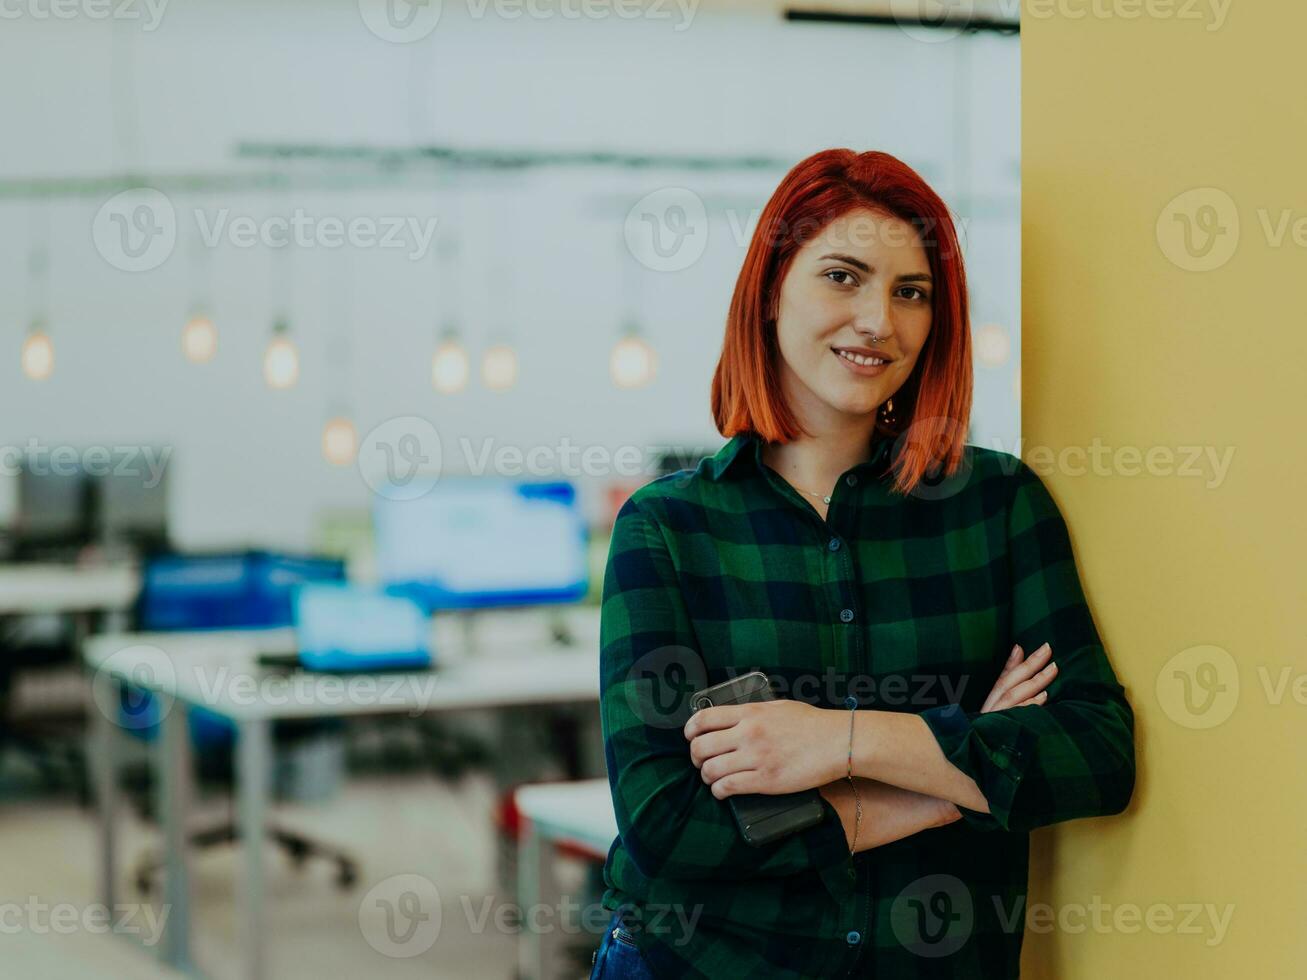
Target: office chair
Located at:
point(52, 524)
point(51, 742)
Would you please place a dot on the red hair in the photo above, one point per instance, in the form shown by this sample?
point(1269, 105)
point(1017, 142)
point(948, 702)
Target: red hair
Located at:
point(934, 405)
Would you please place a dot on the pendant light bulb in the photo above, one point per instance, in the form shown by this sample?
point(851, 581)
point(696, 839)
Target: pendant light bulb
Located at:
point(499, 367)
point(632, 363)
point(281, 360)
point(199, 339)
point(993, 345)
point(38, 353)
point(450, 366)
point(340, 441)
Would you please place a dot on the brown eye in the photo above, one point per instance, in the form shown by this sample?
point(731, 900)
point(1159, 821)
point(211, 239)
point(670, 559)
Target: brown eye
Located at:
point(840, 272)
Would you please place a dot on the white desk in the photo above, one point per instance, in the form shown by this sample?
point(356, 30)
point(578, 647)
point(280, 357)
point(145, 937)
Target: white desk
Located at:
point(50, 588)
point(578, 812)
point(218, 671)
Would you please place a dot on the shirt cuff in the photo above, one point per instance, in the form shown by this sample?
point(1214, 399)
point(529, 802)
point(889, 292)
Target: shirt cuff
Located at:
point(996, 759)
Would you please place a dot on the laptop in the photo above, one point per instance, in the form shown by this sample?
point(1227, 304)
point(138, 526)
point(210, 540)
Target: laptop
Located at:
point(345, 628)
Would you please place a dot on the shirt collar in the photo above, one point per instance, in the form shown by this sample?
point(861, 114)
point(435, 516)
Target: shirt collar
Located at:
point(747, 446)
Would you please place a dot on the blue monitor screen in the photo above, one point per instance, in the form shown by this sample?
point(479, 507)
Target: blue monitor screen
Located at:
point(339, 627)
point(465, 542)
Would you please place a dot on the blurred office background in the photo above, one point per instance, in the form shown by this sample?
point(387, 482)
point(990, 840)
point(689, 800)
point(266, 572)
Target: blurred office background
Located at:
point(196, 420)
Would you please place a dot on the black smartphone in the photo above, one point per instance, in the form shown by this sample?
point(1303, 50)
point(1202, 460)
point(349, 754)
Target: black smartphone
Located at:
point(762, 817)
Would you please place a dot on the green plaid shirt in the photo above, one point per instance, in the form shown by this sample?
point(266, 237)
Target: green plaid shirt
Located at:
point(904, 603)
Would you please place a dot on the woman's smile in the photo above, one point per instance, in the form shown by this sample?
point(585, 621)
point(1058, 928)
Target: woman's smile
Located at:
point(864, 365)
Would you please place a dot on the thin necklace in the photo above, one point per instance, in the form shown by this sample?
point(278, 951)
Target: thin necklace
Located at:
point(825, 497)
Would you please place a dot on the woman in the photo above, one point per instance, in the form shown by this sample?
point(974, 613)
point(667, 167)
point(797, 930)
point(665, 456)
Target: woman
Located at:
point(889, 580)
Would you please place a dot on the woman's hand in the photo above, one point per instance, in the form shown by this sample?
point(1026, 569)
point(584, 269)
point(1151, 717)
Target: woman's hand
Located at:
point(1022, 681)
point(771, 747)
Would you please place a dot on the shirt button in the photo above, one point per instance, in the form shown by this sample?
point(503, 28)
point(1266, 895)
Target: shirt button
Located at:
point(854, 938)
point(846, 615)
point(833, 544)
point(851, 479)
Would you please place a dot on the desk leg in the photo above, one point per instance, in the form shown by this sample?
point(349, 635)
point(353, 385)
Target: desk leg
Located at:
point(102, 752)
point(174, 782)
point(535, 885)
point(253, 753)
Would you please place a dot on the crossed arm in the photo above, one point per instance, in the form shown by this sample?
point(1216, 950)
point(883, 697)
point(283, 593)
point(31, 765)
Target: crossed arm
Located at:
point(914, 785)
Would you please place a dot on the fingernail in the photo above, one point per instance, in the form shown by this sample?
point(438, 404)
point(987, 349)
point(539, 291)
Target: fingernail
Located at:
point(1015, 650)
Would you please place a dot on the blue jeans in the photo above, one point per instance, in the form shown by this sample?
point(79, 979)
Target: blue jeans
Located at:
point(618, 958)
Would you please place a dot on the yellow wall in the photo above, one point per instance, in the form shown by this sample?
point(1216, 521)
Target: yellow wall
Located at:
point(1123, 344)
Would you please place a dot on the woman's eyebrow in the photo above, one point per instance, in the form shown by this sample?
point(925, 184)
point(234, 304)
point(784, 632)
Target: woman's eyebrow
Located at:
point(840, 257)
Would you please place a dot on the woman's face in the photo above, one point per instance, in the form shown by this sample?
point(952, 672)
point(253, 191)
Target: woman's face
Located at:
point(864, 275)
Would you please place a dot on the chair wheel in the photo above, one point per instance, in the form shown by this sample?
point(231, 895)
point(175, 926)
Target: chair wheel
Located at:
point(345, 876)
point(298, 852)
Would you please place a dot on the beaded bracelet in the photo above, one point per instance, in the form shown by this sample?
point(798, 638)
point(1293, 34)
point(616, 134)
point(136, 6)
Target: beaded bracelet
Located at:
point(852, 702)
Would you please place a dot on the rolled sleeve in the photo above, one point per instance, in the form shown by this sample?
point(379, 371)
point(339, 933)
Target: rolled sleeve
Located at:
point(1074, 755)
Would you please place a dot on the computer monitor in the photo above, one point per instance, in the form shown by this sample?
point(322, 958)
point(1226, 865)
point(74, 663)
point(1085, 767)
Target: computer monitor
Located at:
point(133, 507)
point(472, 542)
point(64, 505)
point(55, 508)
